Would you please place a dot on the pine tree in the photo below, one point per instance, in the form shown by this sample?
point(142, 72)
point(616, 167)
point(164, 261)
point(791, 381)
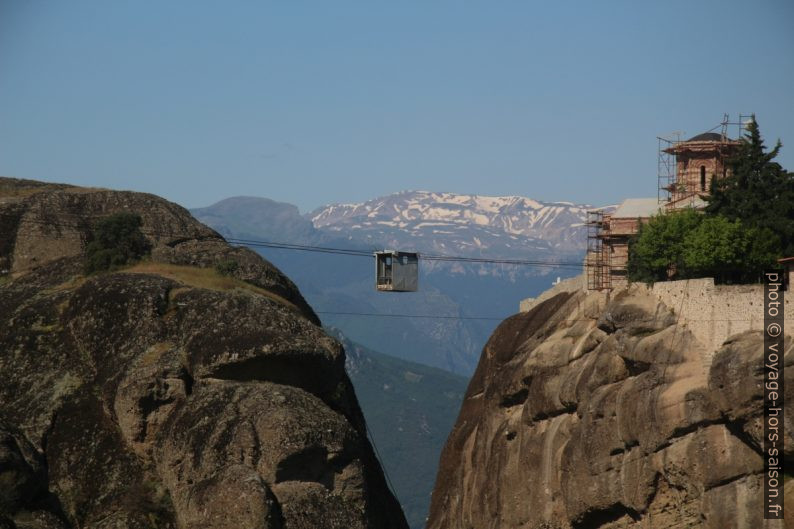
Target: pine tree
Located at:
point(758, 191)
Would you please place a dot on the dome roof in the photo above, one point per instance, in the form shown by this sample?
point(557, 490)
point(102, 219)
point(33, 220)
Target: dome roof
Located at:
point(707, 136)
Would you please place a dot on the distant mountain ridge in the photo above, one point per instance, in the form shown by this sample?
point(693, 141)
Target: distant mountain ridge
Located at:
point(258, 218)
point(466, 224)
point(430, 222)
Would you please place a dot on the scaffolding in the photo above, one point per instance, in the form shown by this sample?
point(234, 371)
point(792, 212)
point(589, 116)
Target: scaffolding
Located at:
point(597, 261)
point(609, 234)
point(669, 188)
point(741, 125)
point(666, 168)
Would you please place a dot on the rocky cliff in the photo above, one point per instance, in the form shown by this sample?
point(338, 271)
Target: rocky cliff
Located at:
point(588, 412)
point(166, 394)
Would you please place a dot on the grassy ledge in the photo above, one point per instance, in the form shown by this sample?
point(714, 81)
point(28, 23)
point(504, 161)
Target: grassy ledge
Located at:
point(206, 278)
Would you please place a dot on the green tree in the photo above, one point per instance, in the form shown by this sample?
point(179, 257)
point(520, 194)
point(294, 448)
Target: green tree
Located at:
point(748, 224)
point(685, 244)
point(728, 251)
point(758, 191)
point(116, 241)
point(657, 251)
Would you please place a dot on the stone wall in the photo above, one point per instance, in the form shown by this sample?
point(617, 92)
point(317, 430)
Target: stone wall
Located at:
point(711, 312)
point(573, 284)
point(714, 312)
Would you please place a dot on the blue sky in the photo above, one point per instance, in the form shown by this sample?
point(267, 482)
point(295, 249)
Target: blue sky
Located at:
point(318, 102)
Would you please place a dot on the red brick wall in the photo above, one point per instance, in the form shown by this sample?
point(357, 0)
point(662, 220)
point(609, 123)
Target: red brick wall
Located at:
point(689, 171)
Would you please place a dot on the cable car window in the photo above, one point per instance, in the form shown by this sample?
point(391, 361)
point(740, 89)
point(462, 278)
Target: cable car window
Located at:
point(397, 271)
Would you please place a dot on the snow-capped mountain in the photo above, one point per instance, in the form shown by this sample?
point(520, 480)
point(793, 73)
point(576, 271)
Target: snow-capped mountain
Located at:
point(453, 224)
point(339, 287)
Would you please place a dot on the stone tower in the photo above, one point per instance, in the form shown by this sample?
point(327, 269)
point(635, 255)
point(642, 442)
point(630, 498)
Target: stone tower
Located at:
point(699, 160)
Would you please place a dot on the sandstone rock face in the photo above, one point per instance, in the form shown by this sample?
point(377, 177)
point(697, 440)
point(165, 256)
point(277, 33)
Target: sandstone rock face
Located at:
point(166, 395)
point(593, 413)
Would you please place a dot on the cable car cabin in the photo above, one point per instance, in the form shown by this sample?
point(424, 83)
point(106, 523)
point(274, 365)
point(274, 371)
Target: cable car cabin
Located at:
point(396, 271)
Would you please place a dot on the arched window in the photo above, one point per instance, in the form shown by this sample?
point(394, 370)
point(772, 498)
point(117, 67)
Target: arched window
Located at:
point(702, 177)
